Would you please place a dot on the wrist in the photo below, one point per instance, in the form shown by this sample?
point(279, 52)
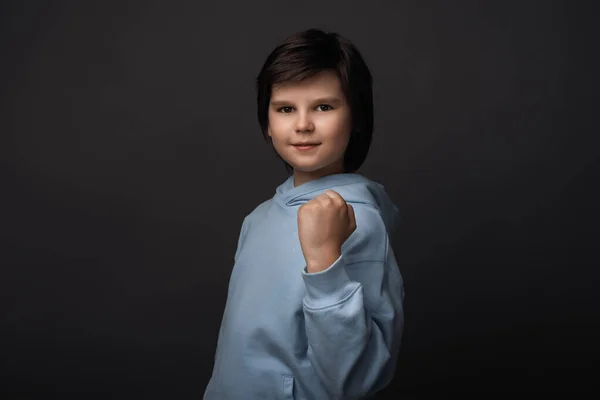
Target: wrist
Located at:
point(322, 262)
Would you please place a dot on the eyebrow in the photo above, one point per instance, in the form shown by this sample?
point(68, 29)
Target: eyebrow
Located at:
point(322, 100)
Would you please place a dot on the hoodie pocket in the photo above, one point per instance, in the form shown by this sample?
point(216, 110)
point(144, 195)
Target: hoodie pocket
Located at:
point(288, 387)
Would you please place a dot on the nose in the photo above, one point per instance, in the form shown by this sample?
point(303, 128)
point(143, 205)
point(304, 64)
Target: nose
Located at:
point(304, 122)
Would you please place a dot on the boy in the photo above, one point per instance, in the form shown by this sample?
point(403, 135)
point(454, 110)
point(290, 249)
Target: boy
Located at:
point(314, 305)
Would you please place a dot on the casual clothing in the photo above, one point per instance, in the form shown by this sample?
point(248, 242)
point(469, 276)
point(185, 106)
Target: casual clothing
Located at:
point(334, 334)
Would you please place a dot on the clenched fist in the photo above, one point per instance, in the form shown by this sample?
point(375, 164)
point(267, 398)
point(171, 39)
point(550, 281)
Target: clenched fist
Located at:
point(324, 224)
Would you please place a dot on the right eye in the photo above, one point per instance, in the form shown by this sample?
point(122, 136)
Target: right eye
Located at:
point(285, 110)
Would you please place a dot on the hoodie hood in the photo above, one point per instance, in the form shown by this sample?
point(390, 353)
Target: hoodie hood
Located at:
point(354, 188)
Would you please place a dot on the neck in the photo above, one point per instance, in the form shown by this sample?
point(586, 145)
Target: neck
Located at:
point(301, 177)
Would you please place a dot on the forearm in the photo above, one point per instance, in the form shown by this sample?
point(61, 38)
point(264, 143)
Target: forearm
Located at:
point(350, 347)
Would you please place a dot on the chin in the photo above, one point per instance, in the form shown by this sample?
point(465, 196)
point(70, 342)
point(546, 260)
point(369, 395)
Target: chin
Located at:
point(310, 166)
point(306, 168)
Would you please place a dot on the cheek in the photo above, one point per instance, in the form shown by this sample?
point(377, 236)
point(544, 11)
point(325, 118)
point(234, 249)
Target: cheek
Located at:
point(275, 126)
point(338, 128)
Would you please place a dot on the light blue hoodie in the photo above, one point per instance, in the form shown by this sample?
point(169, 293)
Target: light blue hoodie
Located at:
point(287, 334)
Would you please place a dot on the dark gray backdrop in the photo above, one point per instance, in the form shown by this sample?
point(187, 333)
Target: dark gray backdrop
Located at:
point(130, 153)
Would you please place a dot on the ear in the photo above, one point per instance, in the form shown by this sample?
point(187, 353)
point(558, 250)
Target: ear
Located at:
point(269, 132)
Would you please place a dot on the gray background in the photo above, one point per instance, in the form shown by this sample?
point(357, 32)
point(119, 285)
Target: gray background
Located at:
point(130, 153)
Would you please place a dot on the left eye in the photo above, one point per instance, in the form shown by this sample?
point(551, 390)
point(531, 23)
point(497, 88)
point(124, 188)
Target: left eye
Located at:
point(327, 107)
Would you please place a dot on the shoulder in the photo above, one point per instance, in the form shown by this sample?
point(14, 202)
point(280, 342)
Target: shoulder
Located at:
point(369, 241)
point(248, 221)
point(258, 212)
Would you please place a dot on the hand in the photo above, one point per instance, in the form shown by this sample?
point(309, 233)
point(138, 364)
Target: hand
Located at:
point(324, 224)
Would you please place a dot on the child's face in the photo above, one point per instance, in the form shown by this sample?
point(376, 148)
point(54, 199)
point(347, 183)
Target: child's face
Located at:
point(312, 110)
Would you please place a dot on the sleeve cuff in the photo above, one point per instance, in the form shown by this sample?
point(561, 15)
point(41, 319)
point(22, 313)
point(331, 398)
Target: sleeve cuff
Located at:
point(329, 287)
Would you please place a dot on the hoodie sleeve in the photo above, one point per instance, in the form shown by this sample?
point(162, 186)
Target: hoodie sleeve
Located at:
point(241, 237)
point(354, 314)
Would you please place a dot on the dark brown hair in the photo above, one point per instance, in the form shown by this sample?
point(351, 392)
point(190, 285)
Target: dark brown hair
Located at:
point(307, 53)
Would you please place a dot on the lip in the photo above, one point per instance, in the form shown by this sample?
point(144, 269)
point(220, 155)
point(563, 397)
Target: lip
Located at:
point(305, 147)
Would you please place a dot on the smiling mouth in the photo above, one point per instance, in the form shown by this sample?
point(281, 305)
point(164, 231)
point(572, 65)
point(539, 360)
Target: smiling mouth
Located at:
point(305, 147)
